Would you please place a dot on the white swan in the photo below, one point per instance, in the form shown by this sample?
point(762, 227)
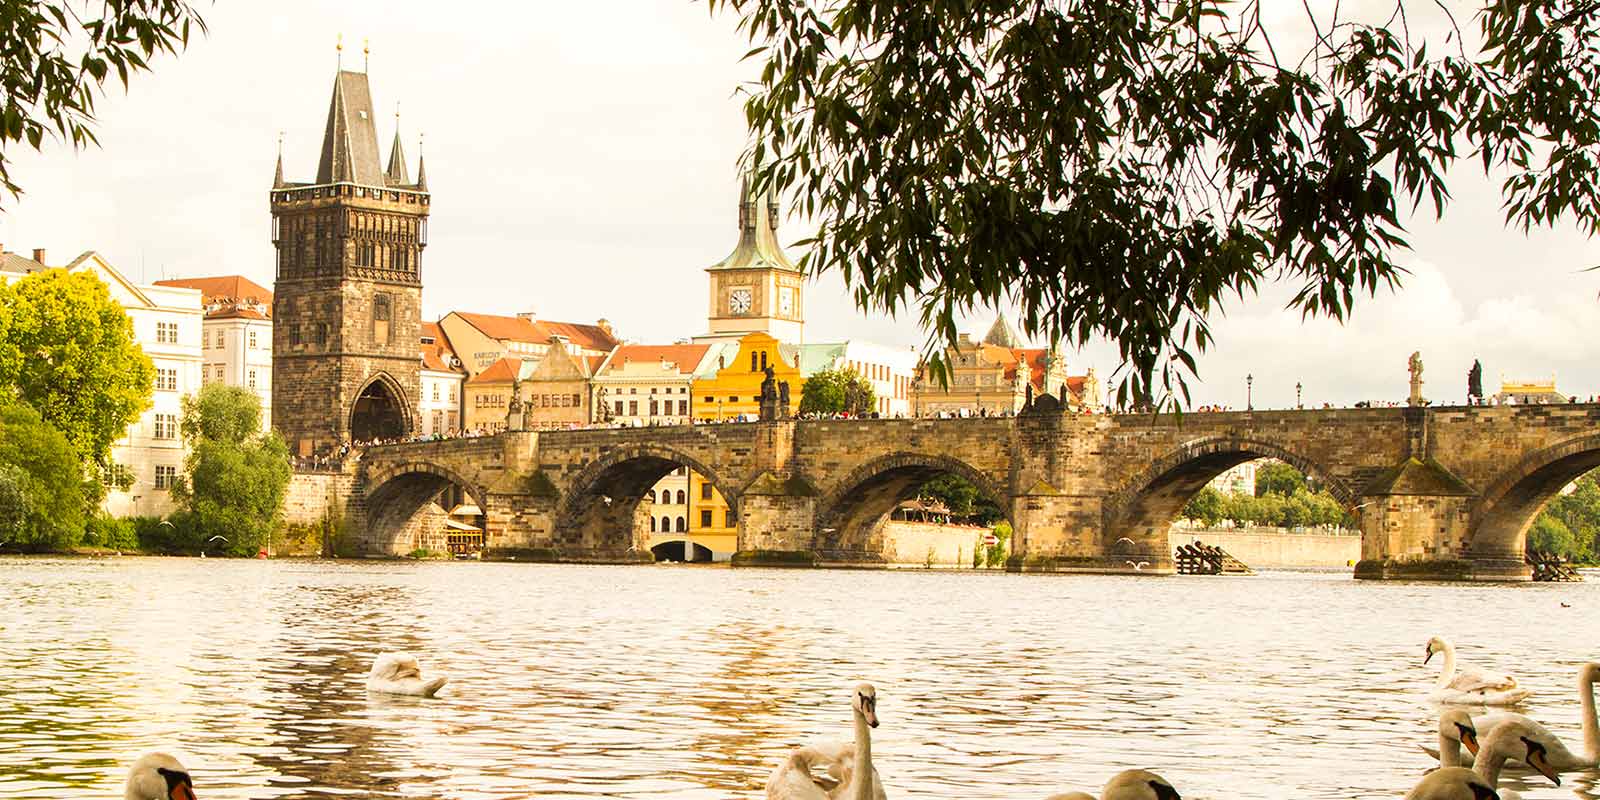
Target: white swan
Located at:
point(398, 673)
point(158, 776)
point(1469, 685)
point(1513, 739)
point(848, 771)
point(1561, 757)
point(1456, 728)
point(1131, 784)
point(1452, 783)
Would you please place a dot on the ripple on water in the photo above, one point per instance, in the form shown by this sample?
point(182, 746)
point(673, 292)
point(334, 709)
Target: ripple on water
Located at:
point(664, 683)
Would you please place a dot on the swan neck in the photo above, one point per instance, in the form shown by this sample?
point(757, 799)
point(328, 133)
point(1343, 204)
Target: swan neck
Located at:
point(1488, 766)
point(1449, 752)
point(1591, 725)
point(863, 768)
point(1448, 670)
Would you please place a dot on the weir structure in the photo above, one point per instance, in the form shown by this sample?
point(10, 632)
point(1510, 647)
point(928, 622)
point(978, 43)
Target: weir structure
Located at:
point(1441, 493)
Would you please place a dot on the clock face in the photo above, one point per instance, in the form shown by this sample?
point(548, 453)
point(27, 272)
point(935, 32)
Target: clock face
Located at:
point(739, 301)
point(786, 300)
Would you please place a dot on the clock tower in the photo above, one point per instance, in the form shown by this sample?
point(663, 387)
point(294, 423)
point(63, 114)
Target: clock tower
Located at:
point(756, 288)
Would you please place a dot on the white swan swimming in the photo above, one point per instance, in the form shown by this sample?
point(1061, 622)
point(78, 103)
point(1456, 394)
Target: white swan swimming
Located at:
point(1131, 784)
point(848, 771)
point(1469, 685)
point(1561, 757)
point(1513, 739)
point(398, 673)
point(158, 776)
point(1452, 783)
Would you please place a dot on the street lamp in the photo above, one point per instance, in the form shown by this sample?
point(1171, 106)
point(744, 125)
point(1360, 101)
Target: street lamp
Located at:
point(1248, 381)
point(1297, 403)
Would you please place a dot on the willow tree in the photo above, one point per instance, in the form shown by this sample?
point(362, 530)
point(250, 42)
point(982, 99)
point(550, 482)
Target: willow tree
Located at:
point(1120, 168)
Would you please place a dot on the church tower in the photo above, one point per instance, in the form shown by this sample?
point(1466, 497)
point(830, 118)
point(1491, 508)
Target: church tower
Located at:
point(756, 288)
point(347, 302)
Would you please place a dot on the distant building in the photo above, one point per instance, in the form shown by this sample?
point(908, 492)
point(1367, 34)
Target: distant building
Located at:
point(995, 376)
point(756, 289)
point(729, 388)
point(1523, 393)
point(1240, 479)
point(480, 340)
point(442, 379)
point(555, 393)
point(236, 338)
point(890, 370)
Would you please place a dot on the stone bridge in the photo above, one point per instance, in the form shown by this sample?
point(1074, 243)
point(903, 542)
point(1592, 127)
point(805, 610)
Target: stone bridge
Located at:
point(1445, 492)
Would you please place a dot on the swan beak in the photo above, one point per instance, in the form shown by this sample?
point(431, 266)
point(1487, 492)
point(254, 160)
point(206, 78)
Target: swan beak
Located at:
point(872, 717)
point(1539, 762)
point(1428, 657)
point(179, 786)
point(1469, 738)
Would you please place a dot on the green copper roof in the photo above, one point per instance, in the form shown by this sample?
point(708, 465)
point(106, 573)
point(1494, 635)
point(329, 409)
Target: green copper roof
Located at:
point(758, 246)
point(815, 358)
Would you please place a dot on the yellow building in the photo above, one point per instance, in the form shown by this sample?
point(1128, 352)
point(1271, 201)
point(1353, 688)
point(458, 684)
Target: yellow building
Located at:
point(730, 389)
point(712, 524)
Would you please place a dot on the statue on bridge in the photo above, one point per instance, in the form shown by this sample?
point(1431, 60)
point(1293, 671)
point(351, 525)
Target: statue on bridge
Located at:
point(1475, 384)
point(783, 399)
point(1415, 365)
point(769, 396)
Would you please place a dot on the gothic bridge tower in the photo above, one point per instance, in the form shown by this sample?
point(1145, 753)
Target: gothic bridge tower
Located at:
point(347, 301)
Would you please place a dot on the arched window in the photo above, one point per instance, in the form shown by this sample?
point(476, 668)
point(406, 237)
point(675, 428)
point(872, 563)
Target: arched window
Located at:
point(666, 524)
point(652, 524)
point(763, 359)
point(680, 497)
point(683, 525)
point(753, 367)
point(651, 494)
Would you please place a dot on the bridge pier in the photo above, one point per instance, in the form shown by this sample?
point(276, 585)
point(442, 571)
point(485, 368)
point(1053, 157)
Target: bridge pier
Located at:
point(1416, 524)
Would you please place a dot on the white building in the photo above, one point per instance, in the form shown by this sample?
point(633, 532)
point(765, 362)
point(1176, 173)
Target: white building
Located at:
point(890, 370)
point(167, 323)
point(1240, 479)
point(236, 338)
point(442, 377)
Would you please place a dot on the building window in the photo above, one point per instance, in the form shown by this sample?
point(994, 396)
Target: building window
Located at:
point(252, 340)
point(252, 379)
point(166, 333)
point(166, 380)
point(165, 475)
point(653, 408)
point(633, 408)
point(319, 334)
point(166, 426)
point(436, 393)
point(619, 408)
point(680, 497)
point(683, 408)
point(666, 524)
point(294, 334)
point(652, 524)
point(711, 399)
point(452, 394)
point(382, 314)
point(731, 517)
point(683, 525)
point(705, 491)
point(577, 400)
point(705, 517)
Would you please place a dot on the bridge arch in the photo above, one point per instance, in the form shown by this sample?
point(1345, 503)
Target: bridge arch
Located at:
point(398, 497)
point(602, 514)
point(1509, 505)
point(850, 516)
point(1143, 508)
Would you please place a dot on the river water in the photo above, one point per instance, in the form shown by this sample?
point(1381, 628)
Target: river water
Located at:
point(688, 682)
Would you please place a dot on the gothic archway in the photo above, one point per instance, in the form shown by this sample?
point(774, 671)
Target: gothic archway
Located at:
point(379, 411)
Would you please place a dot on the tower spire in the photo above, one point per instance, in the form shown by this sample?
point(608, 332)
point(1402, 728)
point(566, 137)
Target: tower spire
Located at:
point(422, 167)
point(758, 230)
point(277, 178)
point(396, 174)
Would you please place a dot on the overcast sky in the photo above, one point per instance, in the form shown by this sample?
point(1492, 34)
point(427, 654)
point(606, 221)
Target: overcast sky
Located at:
point(582, 162)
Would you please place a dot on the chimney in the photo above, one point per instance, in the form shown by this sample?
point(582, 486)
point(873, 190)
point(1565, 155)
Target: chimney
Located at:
point(38, 254)
point(528, 316)
point(605, 325)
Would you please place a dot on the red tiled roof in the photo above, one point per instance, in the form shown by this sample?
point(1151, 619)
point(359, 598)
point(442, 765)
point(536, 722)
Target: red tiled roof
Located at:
point(685, 356)
point(224, 288)
point(1035, 359)
point(593, 363)
point(587, 337)
point(503, 371)
point(1075, 385)
point(235, 312)
point(436, 354)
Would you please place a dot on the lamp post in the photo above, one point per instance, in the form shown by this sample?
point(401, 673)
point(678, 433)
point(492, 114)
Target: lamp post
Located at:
point(1297, 403)
point(1249, 380)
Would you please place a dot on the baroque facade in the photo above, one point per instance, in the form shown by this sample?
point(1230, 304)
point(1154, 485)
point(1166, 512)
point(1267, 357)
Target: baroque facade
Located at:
point(349, 289)
point(236, 339)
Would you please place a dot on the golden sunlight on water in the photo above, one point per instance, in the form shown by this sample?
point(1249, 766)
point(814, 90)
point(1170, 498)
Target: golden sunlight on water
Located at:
point(680, 682)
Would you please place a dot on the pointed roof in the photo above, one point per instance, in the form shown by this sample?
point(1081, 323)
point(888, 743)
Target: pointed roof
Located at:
point(758, 246)
point(397, 173)
point(1003, 334)
point(277, 177)
point(350, 142)
point(422, 173)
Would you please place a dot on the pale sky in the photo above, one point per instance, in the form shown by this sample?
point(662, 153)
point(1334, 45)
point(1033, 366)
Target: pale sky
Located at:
point(582, 158)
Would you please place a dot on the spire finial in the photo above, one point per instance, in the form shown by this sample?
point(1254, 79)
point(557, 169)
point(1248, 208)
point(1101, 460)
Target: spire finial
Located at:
point(338, 48)
point(366, 54)
point(277, 175)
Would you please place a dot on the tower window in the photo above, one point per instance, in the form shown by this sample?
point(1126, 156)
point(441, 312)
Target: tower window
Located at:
point(382, 314)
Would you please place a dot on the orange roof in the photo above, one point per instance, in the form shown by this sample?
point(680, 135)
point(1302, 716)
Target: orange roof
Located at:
point(1075, 385)
point(234, 312)
point(1035, 359)
point(436, 354)
point(503, 371)
point(225, 289)
point(593, 363)
point(518, 329)
point(685, 356)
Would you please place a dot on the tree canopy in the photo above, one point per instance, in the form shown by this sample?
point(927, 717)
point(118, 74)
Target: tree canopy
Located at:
point(235, 475)
point(57, 56)
point(1570, 524)
point(67, 349)
point(42, 483)
point(1121, 168)
point(837, 391)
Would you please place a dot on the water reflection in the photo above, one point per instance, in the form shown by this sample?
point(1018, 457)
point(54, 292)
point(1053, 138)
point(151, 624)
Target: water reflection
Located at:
point(685, 683)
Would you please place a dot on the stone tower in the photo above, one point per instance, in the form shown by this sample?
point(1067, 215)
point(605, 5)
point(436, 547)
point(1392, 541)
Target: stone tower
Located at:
point(347, 301)
point(756, 288)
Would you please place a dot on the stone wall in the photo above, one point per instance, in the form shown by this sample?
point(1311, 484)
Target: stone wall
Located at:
point(910, 543)
point(1271, 548)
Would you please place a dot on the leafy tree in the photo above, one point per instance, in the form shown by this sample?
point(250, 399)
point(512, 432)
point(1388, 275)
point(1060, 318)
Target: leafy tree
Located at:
point(37, 459)
point(1550, 535)
point(837, 391)
point(235, 475)
point(59, 54)
point(14, 509)
point(1207, 506)
point(67, 349)
point(1578, 512)
point(1120, 168)
point(1279, 478)
point(995, 554)
point(962, 498)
